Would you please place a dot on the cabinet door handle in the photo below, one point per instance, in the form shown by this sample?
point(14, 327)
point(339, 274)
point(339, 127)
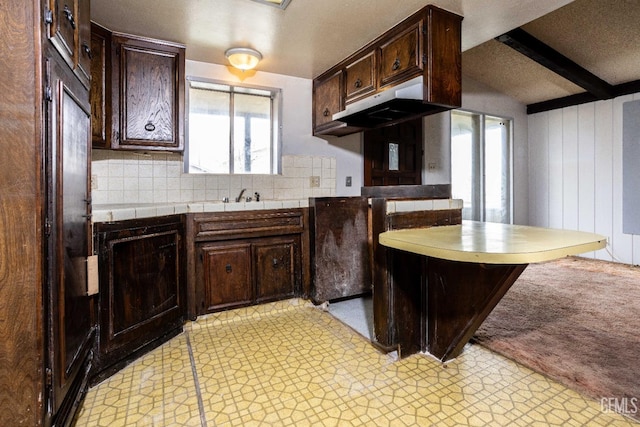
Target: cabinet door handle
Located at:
point(87, 50)
point(358, 83)
point(228, 268)
point(67, 12)
point(325, 112)
point(275, 263)
point(149, 127)
point(396, 64)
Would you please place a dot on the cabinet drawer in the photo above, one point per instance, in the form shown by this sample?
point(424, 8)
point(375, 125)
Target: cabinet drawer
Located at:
point(400, 57)
point(360, 78)
point(220, 226)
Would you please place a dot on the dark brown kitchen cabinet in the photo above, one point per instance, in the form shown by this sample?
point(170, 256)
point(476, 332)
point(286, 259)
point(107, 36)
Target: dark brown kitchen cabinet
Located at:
point(147, 94)
point(142, 287)
point(360, 77)
point(328, 99)
point(100, 86)
point(276, 268)
point(401, 56)
point(226, 273)
point(246, 257)
point(69, 30)
point(427, 44)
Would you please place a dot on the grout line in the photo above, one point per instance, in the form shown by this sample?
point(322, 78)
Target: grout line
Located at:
point(203, 419)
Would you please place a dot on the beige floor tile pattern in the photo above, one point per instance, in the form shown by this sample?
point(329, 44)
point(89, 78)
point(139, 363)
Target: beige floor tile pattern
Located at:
point(291, 364)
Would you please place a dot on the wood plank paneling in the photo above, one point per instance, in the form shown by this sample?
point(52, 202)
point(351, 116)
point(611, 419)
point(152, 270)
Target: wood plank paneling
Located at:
point(570, 168)
point(578, 151)
point(555, 169)
point(586, 169)
point(603, 209)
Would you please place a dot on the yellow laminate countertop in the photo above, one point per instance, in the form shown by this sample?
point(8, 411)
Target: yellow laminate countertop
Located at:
point(492, 243)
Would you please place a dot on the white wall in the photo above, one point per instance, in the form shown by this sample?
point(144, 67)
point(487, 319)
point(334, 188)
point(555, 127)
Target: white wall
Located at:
point(297, 138)
point(575, 182)
point(480, 98)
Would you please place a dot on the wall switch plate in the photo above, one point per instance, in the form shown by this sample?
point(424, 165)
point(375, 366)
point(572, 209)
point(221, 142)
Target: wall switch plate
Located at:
point(315, 181)
point(348, 181)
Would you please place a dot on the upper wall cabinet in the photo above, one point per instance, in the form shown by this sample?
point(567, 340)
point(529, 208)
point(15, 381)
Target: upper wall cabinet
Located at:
point(143, 106)
point(426, 44)
point(70, 33)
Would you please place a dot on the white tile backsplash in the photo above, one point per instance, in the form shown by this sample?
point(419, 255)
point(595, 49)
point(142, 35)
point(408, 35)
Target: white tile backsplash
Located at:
point(134, 178)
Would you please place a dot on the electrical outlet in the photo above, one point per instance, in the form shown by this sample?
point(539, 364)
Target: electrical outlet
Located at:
point(348, 181)
point(315, 181)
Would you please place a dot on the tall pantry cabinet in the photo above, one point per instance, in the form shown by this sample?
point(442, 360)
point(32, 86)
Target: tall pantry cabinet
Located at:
point(47, 317)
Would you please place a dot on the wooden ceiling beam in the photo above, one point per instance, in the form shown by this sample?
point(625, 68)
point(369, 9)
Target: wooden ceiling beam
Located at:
point(550, 58)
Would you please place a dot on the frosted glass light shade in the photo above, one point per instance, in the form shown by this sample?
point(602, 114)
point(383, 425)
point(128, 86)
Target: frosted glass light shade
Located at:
point(243, 58)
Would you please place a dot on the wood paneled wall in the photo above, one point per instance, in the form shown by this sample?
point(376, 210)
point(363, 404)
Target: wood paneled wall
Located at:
point(575, 173)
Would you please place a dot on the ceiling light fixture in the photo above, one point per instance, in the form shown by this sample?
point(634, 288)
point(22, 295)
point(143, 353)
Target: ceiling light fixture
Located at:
point(281, 4)
point(243, 58)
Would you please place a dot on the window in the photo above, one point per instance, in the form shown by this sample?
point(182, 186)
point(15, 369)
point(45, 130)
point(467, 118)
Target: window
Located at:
point(232, 129)
point(481, 165)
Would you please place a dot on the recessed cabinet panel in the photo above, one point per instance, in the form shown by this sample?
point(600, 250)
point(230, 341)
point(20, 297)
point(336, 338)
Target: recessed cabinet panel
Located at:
point(84, 41)
point(328, 100)
point(275, 269)
point(100, 86)
point(227, 275)
point(63, 28)
point(360, 78)
point(400, 57)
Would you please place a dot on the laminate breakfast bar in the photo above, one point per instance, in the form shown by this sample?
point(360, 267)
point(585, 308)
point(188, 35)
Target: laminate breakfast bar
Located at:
point(465, 271)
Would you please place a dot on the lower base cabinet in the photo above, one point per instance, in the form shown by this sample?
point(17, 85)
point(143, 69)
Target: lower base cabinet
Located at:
point(246, 257)
point(142, 297)
point(244, 272)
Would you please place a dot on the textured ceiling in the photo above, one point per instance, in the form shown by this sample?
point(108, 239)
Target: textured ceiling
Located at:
point(309, 36)
point(602, 36)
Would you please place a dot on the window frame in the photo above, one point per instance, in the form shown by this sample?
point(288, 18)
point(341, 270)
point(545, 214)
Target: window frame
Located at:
point(479, 204)
point(275, 125)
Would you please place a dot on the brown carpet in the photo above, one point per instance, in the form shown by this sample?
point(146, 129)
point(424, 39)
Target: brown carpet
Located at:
point(575, 320)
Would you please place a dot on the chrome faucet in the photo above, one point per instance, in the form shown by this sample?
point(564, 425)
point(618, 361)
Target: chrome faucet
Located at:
point(240, 195)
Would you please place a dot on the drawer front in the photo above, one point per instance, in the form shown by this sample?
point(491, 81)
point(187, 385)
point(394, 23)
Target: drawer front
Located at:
point(401, 56)
point(221, 226)
point(360, 78)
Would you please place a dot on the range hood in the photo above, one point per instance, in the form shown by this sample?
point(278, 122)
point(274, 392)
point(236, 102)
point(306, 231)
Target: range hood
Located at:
point(396, 104)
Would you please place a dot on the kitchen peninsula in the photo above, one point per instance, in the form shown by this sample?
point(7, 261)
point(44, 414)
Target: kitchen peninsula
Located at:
point(466, 270)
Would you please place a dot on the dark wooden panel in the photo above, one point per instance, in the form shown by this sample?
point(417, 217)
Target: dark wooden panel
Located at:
point(390, 192)
point(226, 270)
point(100, 86)
point(142, 286)
point(401, 56)
point(22, 216)
point(460, 297)
point(360, 77)
point(63, 28)
point(276, 267)
point(443, 73)
point(226, 225)
point(84, 42)
point(341, 265)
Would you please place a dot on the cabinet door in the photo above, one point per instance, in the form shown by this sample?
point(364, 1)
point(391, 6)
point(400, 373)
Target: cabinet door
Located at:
point(327, 101)
point(62, 30)
point(225, 271)
point(276, 268)
point(151, 91)
point(360, 78)
point(84, 41)
point(100, 87)
point(70, 310)
point(141, 284)
point(401, 57)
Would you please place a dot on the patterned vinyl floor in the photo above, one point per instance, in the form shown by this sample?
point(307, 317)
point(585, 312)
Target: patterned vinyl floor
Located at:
point(291, 364)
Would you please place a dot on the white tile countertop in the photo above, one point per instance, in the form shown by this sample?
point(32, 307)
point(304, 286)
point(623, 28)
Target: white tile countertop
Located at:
point(119, 212)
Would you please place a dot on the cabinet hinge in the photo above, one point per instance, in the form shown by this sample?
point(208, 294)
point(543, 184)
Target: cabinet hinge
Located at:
point(48, 16)
point(48, 93)
point(48, 377)
point(424, 59)
point(47, 227)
